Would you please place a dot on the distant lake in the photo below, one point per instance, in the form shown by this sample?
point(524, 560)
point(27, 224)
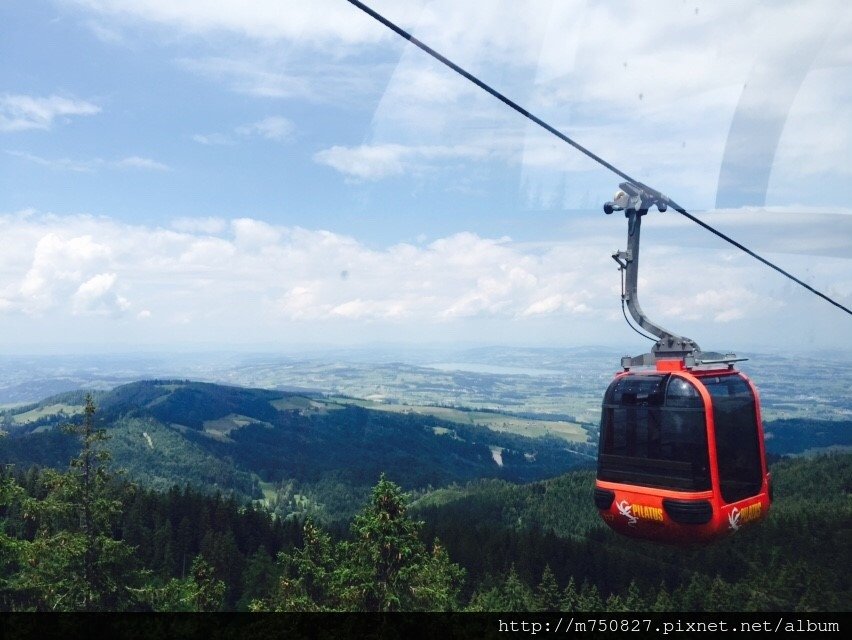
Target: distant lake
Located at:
point(492, 368)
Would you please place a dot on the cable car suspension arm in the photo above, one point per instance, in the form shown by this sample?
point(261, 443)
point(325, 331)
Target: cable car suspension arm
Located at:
point(635, 202)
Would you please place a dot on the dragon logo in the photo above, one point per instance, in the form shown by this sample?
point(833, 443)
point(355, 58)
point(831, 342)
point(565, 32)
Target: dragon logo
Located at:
point(734, 519)
point(625, 509)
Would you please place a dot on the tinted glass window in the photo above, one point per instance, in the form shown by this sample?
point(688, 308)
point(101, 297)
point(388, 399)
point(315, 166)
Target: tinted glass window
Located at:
point(682, 393)
point(653, 433)
point(737, 445)
point(637, 390)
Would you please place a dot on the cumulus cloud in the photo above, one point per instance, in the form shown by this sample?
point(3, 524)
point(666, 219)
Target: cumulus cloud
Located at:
point(245, 277)
point(60, 266)
point(290, 273)
point(20, 112)
point(97, 296)
point(250, 233)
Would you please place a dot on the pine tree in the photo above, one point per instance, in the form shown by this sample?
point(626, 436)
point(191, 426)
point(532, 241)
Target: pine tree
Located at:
point(224, 556)
point(207, 592)
point(10, 548)
point(570, 597)
point(390, 567)
point(258, 578)
point(634, 601)
point(386, 567)
point(547, 597)
point(307, 580)
point(74, 563)
point(516, 595)
point(721, 597)
point(590, 598)
point(614, 604)
point(663, 602)
point(199, 592)
point(438, 583)
point(386, 544)
point(693, 596)
point(486, 601)
point(163, 561)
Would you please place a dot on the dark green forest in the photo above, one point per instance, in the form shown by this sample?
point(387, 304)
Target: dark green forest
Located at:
point(305, 456)
point(87, 538)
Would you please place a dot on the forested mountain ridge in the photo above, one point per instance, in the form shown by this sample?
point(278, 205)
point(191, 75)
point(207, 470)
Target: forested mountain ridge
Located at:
point(307, 453)
point(297, 452)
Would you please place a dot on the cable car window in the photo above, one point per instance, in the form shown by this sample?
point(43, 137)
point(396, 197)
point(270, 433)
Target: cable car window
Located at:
point(653, 433)
point(682, 393)
point(737, 445)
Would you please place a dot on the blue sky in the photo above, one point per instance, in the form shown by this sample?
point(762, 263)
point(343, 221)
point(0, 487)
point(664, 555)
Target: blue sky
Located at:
point(277, 173)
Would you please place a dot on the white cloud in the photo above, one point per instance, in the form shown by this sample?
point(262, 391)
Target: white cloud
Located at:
point(97, 296)
point(272, 128)
point(275, 128)
point(320, 21)
point(137, 162)
point(105, 34)
point(223, 280)
point(59, 265)
point(271, 74)
point(250, 233)
point(213, 139)
point(372, 162)
point(92, 164)
point(250, 77)
point(61, 164)
point(19, 112)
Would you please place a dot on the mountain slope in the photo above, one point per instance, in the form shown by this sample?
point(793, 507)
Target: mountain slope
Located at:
point(292, 449)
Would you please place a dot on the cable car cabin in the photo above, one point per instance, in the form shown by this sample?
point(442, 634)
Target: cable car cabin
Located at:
point(681, 455)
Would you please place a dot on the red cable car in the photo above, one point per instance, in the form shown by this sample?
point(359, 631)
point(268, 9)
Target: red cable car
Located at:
point(681, 456)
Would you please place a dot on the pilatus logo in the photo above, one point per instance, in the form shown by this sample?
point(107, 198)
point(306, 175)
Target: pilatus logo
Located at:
point(734, 519)
point(625, 509)
point(749, 513)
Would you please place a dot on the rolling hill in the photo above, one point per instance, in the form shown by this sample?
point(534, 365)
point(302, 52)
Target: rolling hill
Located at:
point(296, 452)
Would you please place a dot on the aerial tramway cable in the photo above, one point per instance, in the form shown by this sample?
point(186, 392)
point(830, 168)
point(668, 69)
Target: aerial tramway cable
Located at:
point(657, 195)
